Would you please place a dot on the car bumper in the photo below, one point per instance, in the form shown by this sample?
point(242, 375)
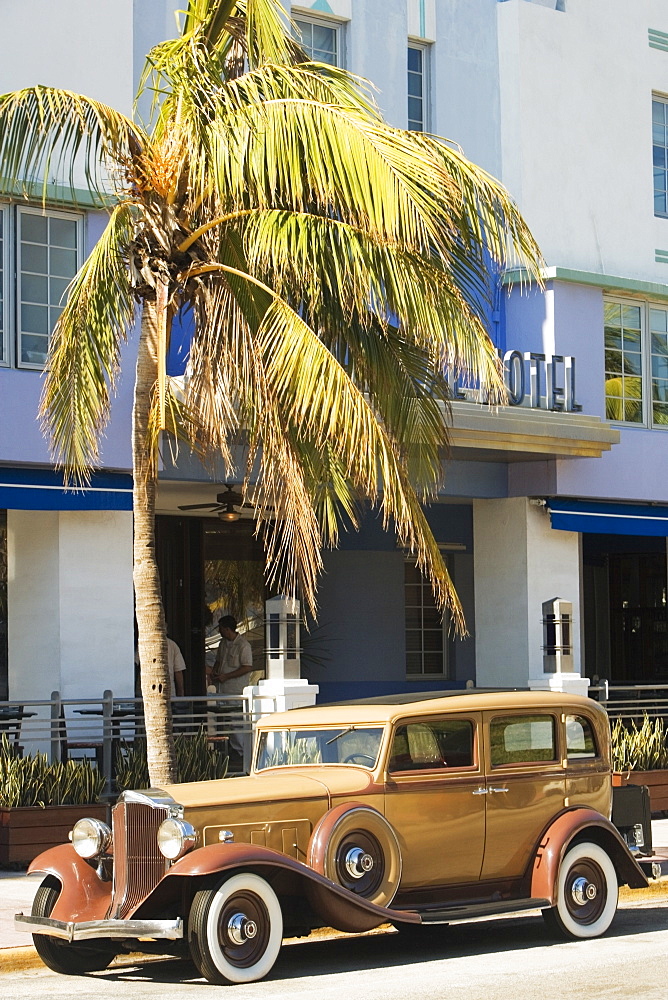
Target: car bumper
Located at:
point(69, 930)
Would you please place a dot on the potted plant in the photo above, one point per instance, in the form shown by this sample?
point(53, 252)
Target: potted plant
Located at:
point(640, 757)
point(40, 801)
point(196, 760)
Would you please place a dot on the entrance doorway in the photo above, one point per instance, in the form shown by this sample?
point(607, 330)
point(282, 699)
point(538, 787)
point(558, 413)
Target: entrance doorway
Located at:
point(625, 611)
point(209, 568)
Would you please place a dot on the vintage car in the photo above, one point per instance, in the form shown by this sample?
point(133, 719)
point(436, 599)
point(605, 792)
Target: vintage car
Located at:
point(410, 810)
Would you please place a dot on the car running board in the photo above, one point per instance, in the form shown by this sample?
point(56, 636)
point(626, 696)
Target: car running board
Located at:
point(469, 910)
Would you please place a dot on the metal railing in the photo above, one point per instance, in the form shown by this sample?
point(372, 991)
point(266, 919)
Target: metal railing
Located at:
point(73, 728)
point(632, 701)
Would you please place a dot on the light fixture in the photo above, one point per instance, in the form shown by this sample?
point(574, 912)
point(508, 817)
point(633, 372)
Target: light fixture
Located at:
point(229, 515)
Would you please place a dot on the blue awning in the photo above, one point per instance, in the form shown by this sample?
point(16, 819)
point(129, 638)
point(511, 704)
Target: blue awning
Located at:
point(42, 489)
point(608, 518)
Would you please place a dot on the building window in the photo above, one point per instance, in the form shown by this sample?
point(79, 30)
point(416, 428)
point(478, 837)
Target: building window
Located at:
point(4, 661)
point(660, 154)
point(636, 363)
point(426, 628)
point(417, 88)
point(4, 270)
point(47, 251)
point(321, 40)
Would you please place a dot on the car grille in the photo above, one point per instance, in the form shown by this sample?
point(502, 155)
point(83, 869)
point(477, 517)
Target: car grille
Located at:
point(138, 864)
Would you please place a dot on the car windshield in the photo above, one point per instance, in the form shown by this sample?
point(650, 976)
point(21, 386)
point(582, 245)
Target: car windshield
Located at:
point(340, 745)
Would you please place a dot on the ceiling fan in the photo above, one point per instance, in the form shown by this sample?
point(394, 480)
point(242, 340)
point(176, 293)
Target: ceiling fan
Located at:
point(225, 506)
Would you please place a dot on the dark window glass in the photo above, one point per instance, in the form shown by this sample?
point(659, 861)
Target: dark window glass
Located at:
point(433, 743)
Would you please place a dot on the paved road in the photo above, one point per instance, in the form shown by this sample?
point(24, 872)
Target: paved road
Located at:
point(502, 959)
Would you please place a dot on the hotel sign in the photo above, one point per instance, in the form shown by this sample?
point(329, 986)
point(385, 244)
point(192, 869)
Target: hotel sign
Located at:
point(539, 381)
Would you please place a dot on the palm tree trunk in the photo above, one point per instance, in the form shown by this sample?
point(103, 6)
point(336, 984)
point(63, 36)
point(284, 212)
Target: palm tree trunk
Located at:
point(155, 683)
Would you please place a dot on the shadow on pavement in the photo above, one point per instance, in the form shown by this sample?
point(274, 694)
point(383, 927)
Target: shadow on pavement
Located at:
point(393, 949)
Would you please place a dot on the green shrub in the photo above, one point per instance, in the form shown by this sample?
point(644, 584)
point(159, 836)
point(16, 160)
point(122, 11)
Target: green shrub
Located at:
point(196, 760)
point(639, 748)
point(33, 781)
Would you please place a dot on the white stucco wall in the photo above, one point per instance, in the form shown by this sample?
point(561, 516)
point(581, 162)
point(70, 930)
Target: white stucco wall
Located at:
point(576, 101)
point(70, 603)
point(520, 562)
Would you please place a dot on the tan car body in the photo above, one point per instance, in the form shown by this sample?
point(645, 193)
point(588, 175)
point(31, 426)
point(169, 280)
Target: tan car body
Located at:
point(471, 839)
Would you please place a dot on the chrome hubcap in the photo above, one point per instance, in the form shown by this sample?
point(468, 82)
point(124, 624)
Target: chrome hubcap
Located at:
point(240, 929)
point(583, 891)
point(358, 862)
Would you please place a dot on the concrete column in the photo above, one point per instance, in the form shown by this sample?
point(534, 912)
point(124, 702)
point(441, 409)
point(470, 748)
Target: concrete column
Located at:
point(520, 562)
point(70, 603)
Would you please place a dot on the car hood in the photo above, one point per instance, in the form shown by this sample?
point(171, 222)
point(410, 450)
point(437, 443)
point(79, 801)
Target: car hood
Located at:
point(276, 784)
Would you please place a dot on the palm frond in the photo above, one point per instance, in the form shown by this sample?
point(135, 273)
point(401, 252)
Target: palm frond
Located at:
point(47, 135)
point(84, 353)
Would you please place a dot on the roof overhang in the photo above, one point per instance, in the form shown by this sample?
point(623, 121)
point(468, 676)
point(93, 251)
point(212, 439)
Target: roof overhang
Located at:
point(519, 434)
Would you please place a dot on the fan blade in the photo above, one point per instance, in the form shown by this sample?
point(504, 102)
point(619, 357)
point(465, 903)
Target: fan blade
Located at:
point(198, 506)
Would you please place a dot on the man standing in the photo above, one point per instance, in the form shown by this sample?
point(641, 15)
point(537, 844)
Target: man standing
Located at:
point(234, 662)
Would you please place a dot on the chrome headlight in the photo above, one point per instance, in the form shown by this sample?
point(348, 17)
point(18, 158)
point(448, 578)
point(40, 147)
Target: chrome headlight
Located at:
point(175, 838)
point(90, 837)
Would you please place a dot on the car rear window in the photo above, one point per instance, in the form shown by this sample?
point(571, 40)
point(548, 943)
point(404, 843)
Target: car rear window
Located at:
point(432, 743)
point(580, 740)
point(522, 739)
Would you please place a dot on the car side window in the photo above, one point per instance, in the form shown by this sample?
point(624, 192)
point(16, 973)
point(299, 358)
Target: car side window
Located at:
point(522, 739)
point(433, 743)
point(580, 740)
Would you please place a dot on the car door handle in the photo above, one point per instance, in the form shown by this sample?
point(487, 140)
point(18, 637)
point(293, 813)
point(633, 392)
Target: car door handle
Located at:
point(492, 790)
point(479, 791)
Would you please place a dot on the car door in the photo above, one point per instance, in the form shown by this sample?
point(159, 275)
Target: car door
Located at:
point(525, 784)
point(434, 799)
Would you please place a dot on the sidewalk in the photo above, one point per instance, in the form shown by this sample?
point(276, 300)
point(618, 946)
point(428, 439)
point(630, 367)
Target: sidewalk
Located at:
point(17, 890)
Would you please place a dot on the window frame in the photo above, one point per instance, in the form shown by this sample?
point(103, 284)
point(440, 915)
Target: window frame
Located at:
point(526, 717)
point(5, 286)
point(446, 673)
point(660, 99)
point(646, 307)
point(49, 213)
point(425, 50)
point(338, 27)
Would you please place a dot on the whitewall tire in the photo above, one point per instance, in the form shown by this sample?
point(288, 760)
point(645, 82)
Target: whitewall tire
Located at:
point(235, 930)
point(587, 893)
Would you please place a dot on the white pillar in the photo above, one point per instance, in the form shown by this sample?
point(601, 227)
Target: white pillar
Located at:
point(521, 562)
point(70, 603)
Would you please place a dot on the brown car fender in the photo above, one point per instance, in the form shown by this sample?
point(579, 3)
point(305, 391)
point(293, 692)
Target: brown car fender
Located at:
point(83, 896)
point(334, 905)
point(559, 835)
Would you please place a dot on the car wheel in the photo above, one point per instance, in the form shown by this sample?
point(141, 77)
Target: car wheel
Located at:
point(69, 958)
point(357, 848)
point(235, 930)
point(587, 893)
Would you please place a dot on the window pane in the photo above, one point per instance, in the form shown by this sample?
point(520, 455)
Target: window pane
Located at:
point(34, 228)
point(414, 59)
point(34, 319)
point(33, 349)
point(657, 320)
point(660, 203)
point(63, 233)
point(437, 743)
point(33, 258)
point(522, 739)
point(415, 109)
point(631, 317)
point(57, 289)
point(660, 389)
point(580, 742)
point(660, 413)
point(34, 288)
point(414, 85)
point(63, 263)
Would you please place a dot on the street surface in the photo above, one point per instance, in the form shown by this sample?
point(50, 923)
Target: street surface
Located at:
point(501, 959)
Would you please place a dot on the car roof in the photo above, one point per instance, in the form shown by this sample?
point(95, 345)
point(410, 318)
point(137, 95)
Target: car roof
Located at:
point(388, 708)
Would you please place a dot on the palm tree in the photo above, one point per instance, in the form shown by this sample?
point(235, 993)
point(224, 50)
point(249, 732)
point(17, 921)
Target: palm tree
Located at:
point(334, 265)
